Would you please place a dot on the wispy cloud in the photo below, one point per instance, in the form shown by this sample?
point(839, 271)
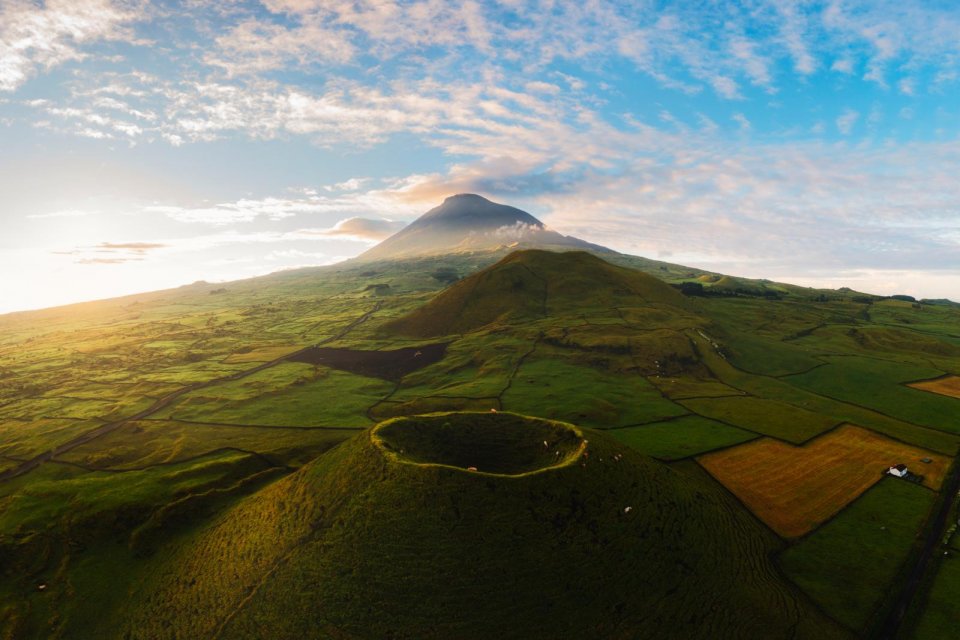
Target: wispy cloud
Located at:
point(241, 211)
point(62, 213)
point(847, 120)
point(134, 247)
point(35, 37)
point(363, 229)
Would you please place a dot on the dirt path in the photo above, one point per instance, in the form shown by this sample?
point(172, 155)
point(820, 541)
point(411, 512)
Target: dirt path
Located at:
point(890, 628)
point(164, 402)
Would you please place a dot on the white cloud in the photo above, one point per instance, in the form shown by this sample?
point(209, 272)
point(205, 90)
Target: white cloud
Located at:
point(36, 37)
point(755, 66)
point(363, 229)
point(255, 46)
point(843, 65)
point(847, 120)
point(741, 120)
point(237, 212)
point(62, 213)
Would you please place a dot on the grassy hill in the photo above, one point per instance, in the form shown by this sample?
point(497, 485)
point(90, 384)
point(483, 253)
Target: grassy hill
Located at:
point(532, 284)
point(392, 535)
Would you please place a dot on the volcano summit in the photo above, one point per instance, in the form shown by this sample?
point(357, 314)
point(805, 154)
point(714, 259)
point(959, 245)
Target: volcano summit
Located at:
point(468, 222)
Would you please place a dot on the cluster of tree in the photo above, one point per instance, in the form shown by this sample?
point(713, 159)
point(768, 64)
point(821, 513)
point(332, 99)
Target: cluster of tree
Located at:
point(697, 289)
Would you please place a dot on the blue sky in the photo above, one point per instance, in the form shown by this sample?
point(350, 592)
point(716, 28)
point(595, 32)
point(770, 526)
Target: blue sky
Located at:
point(146, 145)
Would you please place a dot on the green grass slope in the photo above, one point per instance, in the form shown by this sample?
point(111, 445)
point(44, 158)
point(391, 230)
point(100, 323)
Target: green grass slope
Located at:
point(528, 285)
point(391, 535)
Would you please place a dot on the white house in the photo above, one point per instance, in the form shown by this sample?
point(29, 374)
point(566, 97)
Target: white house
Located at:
point(899, 470)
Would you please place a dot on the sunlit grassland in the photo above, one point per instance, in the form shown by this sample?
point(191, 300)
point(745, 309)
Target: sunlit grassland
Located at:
point(155, 442)
point(315, 549)
point(288, 394)
point(80, 534)
point(795, 489)
point(781, 390)
point(948, 386)
point(592, 390)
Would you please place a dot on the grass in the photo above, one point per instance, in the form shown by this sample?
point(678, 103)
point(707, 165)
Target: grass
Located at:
point(529, 285)
point(28, 438)
point(782, 390)
point(941, 617)
point(578, 339)
point(289, 394)
point(947, 386)
point(795, 489)
point(681, 437)
point(156, 442)
point(768, 417)
point(848, 564)
point(554, 553)
point(877, 384)
point(558, 385)
point(681, 388)
point(84, 535)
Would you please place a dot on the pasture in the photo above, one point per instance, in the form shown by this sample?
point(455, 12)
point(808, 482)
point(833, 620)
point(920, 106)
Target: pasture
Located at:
point(877, 384)
point(764, 416)
point(795, 489)
point(946, 386)
point(848, 565)
point(681, 437)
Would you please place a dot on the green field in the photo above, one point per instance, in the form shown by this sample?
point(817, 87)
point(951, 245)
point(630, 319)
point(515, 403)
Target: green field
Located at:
point(223, 427)
point(681, 437)
point(848, 564)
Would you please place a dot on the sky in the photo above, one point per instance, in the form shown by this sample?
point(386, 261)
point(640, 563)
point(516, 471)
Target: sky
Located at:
point(146, 145)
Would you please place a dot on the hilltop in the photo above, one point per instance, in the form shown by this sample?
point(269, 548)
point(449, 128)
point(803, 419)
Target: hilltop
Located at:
point(468, 222)
point(534, 284)
point(477, 525)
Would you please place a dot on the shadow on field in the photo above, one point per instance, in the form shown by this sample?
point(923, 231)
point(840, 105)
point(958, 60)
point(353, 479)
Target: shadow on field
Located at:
point(387, 365)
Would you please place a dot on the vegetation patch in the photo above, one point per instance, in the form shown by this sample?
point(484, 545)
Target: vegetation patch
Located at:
point(499, 443)
point(388, 365)
point(569, 388)
point(259, 354)
point(565, 551)
point(768, 417)
point(795, 489)
point(530, 285)
point(946, 386)
point(848, 565)
point(160, 442)
point(289, 394)
point(877, 384)
point(681, 437)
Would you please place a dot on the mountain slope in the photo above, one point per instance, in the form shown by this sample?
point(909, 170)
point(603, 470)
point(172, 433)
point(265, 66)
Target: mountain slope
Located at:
point(532, 284)
point(391, 535)
point(468, 222)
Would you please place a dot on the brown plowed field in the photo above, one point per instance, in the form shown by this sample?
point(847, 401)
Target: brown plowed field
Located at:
point(795, 489)
point(948, 386)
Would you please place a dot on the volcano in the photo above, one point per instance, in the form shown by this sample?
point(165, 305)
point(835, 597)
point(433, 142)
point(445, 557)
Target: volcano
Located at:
point(468, 222)
point(477, 526)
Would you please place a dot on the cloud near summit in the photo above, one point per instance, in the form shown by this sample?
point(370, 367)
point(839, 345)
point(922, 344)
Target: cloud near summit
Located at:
point(363, 229)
